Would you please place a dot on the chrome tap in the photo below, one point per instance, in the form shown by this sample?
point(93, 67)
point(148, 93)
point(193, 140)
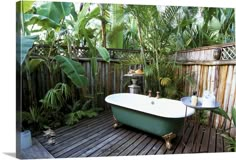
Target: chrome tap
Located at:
point(158, 95)
point(149, 93)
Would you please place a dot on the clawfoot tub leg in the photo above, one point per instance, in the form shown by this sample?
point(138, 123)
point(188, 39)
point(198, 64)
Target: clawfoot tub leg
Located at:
point(116, 123)
point(168, 137)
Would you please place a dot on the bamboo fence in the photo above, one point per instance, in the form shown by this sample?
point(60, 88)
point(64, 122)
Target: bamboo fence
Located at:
point(215, 75)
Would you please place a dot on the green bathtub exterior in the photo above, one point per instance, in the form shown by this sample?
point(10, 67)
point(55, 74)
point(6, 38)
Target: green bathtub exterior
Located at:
point(156, 125)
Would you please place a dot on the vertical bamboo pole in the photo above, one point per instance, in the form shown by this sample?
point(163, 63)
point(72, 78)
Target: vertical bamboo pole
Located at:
point(209, 75)
point(205, 75)
point(232, 100)
point(221, 90)
point(195, 72)
point(198, 79)
point(227, 92)
point(201, 75)
point(212, 82)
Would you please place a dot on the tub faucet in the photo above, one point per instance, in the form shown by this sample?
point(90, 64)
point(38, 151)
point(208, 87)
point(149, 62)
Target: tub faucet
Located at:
point(149, 93)
point(158, 95)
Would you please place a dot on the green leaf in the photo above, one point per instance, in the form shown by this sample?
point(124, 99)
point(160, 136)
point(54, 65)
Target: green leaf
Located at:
point(221, 112)
point(84, 18)
point(23, 45)
point(82, 15)
point(86, 104)
point(104, 53)
point(34, 63)
point(214, 25)
point(74, 70)
point(25, 5)
point(44, 22)
point(55, 11)
point(234, 115)
point(53, 99)
point(73, 12)
point(71, 119)
point(65, 89)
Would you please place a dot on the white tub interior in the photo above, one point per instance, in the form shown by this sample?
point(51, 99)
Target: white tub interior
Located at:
point(160, 107)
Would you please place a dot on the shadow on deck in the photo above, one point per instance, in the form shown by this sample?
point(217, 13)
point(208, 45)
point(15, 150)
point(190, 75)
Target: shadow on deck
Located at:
point(96, 137)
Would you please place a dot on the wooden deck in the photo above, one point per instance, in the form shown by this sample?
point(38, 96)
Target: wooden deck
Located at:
point(96, 137)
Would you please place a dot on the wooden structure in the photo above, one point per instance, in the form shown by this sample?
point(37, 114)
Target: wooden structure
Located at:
point(96, 137)
point(213, 68)
point(211, 71)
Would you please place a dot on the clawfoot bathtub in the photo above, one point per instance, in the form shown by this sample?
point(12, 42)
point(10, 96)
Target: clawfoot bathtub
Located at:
point(162, 117)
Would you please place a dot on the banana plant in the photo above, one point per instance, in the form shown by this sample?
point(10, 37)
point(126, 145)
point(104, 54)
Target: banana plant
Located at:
point(74, 70)
point(84, 17)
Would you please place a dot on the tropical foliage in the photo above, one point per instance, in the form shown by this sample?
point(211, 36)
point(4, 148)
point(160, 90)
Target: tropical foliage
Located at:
point(163, 31)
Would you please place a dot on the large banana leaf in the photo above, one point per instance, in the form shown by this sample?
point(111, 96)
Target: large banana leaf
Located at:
point(104, 53)
point(84, 18)
point(23, 44)
point(43, 21)
point(81, 15)
point(55, 11)
point(74, 70)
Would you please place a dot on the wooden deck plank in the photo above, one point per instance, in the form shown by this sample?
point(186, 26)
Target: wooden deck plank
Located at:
point(198, 139)
point(99, 144)
point(71, 149)
point(192, 142)
point(141, 145)
point(162, 149)
point(205, 141)
point(125, 145)
point(79, 137)
point(224, 146)
point(64, 139)
point(156, 147)
point(78, 127)
point(187, 137)
point(212, 140)
point(80, 123)
point(219, 143)
point(109, 145)
point(114, 147)
point(148, 147)
point(133, 145)
point(96, 137)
